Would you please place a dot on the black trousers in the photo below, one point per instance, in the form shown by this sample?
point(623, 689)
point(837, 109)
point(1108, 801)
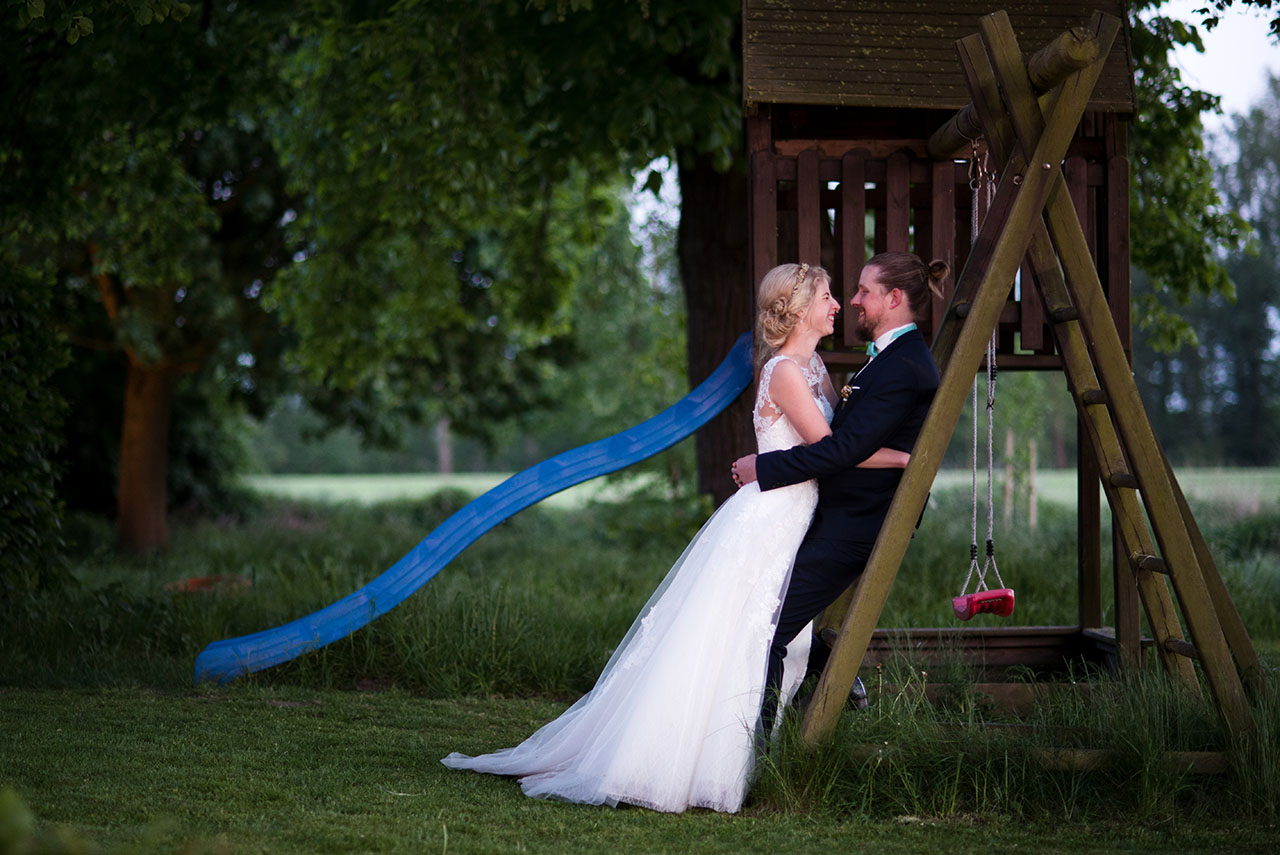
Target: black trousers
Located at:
point(824, 568)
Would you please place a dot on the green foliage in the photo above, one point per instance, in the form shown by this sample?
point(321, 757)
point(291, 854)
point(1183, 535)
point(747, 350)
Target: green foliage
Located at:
point(1212, 11)
point(1247, 178)
point(429, 179)
point(629, 334)
point(71, 21)
point(30, 418)
point(555, 580)
point(1215, 402)
point(1178, 221)
point(444, 204)
point(452, 196)
point(1216, 399)
point(622, 362)
point(149, 197)
point(432, 244)
point(20, 834)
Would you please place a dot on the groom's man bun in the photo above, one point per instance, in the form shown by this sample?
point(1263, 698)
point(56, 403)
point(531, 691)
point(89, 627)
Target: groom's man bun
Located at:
point(908, 273)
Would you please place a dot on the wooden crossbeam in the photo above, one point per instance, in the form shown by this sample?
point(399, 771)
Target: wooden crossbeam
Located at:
point(1091, 401)
point(1033, 217)
point(1139, 445)
point(1232, 627)
point(1142, 451)
point(1069, 52)
point(1021, 194)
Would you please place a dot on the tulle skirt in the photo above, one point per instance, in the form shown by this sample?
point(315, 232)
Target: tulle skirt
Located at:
point(671, 722)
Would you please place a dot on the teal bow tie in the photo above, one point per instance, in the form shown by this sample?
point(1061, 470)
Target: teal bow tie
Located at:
point(872, 350)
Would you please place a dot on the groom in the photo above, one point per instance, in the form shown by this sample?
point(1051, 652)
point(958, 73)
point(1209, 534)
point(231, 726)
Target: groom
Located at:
point(885, 404)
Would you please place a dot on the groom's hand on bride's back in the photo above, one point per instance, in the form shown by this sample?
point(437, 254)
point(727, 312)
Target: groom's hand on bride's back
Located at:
point(744, 470)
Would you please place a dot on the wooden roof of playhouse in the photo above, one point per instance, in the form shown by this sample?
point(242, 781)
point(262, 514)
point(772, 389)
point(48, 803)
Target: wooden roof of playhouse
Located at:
point(844, 101)
point(900, 53)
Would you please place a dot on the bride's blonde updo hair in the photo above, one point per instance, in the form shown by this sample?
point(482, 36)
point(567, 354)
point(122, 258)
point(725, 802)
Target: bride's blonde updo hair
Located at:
point(783, 297)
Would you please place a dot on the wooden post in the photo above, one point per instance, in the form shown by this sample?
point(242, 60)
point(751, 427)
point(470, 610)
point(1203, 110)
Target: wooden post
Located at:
point(853, 232)
point(1237, 636)
point(808, 207)
point(1125, 405)
point(1104, 449)
point(898, 203)
point(764, 195)
point(1055, 62)
point(1032, 510)
point(1002, 242)
point(943, 223)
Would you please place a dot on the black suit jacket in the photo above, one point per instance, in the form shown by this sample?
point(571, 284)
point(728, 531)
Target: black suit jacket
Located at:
point(887, 407)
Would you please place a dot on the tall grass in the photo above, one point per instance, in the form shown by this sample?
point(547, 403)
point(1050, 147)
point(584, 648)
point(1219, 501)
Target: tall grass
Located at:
point(907, 757)
point(535, 607)
point(1039, 564)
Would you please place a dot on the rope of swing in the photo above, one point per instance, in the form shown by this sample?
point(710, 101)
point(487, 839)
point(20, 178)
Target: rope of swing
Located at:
point(982, 184)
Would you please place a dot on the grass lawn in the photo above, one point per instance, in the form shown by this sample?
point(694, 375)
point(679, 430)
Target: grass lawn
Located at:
point(371, 489)
point(1246, 489)
point(288, 770)
point(102, 734)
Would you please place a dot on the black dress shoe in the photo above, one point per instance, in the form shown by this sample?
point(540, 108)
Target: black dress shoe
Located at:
point(857, 698)
point(858, 695)
point(822, 643)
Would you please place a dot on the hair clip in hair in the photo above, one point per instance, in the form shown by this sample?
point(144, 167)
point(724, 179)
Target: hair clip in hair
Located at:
point(804, 271)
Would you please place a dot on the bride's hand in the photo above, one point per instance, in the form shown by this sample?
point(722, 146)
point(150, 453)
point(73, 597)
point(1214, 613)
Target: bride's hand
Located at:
point(744, 470)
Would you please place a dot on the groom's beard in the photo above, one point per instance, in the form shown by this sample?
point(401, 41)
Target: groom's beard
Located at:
point(864, 332)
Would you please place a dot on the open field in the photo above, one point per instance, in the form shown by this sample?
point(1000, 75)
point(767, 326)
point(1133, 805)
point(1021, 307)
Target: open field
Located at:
point(371, 489)
point(1246, 489)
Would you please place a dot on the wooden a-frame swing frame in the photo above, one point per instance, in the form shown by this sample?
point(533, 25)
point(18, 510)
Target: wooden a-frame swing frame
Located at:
point(1032, 218)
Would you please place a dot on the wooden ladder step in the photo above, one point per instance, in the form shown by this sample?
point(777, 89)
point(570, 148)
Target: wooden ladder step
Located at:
point(1181, 647)
point(1149, 563)
point(1080, 362)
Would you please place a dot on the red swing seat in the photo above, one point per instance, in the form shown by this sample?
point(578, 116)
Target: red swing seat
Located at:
point(995, 602)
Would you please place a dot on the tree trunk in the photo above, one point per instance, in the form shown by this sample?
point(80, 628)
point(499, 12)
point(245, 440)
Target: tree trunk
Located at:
point(1059, 442)
point(1008, 475)
point(444, 447)
point(1033, 508)
point(141, 492)
point(719, 299)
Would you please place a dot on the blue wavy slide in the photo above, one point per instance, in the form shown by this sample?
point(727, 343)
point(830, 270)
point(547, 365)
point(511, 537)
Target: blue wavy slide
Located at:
point(224, 661)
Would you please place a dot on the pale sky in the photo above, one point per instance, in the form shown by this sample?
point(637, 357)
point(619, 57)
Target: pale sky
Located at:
point(1237, 55)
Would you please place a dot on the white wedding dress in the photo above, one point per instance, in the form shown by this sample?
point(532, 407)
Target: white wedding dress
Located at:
point(671, 721)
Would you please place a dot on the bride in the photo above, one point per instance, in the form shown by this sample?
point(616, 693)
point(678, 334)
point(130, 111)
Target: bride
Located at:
point(671, 722)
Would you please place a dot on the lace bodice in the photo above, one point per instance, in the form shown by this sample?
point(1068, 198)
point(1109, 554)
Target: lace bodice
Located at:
point(774, 430)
